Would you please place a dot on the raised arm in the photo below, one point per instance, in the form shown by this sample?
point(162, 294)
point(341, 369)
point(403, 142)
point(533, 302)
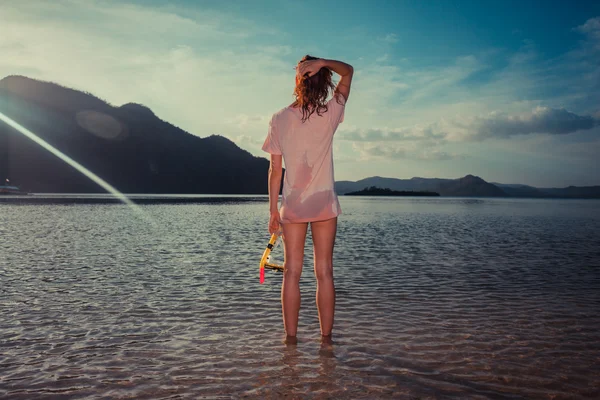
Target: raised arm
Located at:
point(345, 71)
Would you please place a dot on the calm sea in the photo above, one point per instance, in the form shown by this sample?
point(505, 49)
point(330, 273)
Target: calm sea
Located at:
point(436, 298)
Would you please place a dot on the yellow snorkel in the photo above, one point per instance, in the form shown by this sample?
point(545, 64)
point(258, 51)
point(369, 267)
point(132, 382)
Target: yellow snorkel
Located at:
point(265, 261)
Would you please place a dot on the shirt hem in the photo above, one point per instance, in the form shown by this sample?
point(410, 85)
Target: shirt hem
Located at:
point(297, 221)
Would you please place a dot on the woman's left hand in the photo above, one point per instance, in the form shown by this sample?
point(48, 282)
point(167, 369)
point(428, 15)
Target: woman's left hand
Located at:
point(274, 222)
point(309, 67)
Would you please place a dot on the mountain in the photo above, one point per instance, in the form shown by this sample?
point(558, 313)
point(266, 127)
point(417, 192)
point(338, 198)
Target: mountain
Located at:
point(521, 190)
point(470, 186)
point(574, 192)
point(590, 192)
point(128, 146)
point(137, 152)
point(467, 186)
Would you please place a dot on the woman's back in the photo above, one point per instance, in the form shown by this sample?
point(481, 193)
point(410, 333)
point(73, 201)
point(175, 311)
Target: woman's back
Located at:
point(306, 146)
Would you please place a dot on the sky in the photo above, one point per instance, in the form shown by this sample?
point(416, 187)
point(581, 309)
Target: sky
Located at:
point(505, 90)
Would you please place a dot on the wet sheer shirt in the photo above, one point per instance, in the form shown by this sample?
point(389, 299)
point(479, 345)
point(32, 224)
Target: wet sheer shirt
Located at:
point(308, 187)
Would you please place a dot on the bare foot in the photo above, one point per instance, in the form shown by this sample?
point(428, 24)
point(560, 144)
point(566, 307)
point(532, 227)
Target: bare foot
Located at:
point(326, 350)
point(290, 340)
point(326, 340)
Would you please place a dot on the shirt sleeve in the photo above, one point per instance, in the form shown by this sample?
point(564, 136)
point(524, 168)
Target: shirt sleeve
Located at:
point(336, 110)
point(271, 144)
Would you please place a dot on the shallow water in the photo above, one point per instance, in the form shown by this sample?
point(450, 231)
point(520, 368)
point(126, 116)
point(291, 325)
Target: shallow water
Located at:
point(436, 298)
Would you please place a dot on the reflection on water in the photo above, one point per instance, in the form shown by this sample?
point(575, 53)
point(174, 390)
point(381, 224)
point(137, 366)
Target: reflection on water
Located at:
point(436, 298)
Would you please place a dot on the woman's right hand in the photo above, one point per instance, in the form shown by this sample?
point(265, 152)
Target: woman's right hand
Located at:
point(274, 222)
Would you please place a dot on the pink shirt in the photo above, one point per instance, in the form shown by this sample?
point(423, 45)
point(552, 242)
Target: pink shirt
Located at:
point(308, 187)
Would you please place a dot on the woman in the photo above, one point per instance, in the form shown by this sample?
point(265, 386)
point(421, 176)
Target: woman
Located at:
point(302, 134)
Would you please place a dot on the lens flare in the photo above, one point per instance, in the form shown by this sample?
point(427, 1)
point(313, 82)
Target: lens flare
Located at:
point(95, 178)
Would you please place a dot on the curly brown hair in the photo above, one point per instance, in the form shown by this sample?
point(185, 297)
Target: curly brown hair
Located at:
point(311, 92)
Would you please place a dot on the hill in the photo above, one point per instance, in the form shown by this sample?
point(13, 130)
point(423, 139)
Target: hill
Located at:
point(128, 146)
point(467, 186)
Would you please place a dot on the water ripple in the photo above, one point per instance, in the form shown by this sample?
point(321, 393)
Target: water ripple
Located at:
point(436, 298)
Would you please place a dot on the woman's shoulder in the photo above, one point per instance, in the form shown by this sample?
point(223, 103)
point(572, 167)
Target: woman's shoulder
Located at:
point(338, 99)
point(282, 113)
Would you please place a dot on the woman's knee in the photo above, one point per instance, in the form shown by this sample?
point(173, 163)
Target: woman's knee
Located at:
point(324, 271)
point(292, 273)
point(292, 270)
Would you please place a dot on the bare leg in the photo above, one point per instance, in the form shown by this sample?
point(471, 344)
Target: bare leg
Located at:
point(293, 247)
point(323, 235)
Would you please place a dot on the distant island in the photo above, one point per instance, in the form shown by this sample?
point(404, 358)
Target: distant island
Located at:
point(376, 191)
point(467, 186)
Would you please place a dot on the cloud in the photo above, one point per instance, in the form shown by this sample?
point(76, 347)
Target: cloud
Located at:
point(400, 93)
point(194, 69)
point(390, 151)
point(438, 81)
point(430, 142)
point(390, 38)
point(247, 141)
point(570, 80)
point(369, 151)
point(440, 155)
point(591, 28)
point(244, 121)
point(542, 120)
point(428, 133)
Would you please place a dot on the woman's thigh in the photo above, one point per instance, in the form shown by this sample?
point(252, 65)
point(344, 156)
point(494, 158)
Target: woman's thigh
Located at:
point(323, 236)
point(294, 237)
